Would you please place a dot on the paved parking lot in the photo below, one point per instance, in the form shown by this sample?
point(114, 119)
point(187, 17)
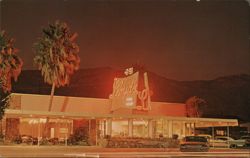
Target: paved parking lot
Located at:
point(93, 151)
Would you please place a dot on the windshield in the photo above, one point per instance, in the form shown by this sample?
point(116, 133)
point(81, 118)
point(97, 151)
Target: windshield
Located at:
point(196, 139)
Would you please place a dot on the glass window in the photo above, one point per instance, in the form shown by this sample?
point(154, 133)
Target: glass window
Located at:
point(120, 128)
point(140, 128)
point(36, 127)
point(166, 129)
point(159, 129)
point(177, 128)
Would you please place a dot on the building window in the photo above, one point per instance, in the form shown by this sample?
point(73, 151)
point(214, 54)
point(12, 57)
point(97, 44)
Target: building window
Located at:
point(159, 129)
point(140, 128)
point(119, 128)
point(35, 127)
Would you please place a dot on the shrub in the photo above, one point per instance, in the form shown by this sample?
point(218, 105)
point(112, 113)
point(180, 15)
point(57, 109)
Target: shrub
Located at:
point(175, 136)
point(79, 137)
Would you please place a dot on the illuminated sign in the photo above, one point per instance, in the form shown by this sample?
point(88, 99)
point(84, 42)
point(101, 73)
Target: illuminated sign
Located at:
point(126, 95)
point(144, 96)
point(129, 101)
point(125, 92)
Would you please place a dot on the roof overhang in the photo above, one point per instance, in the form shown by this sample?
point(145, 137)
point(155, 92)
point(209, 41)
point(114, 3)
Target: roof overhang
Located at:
point(199, 122)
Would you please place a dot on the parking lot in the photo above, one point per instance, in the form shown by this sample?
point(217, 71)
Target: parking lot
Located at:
point(76, 151)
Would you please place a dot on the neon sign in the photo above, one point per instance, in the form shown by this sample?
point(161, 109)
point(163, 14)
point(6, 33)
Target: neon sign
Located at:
point(126, 95)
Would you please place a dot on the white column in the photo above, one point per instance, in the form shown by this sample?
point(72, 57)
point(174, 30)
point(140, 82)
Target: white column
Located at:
point(162, 127)
point(170, 128)
point(194, 129)
point(39, 132)
point(228, 136)
point(96, 131)
point(109, 126)
point(213, 135)
point(183, 129)
point(165, 128)
point(187, 128)
point(130, 127)
point(191, 128)
point(150, 128)
point(66, 133)
point(72, 126)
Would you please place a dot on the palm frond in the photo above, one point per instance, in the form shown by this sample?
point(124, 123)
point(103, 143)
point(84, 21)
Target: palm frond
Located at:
point(10, 63)
point(56, 54)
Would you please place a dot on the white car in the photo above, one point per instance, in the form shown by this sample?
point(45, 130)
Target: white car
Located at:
point(218, 141)
point(244, 141)
point(221, 141)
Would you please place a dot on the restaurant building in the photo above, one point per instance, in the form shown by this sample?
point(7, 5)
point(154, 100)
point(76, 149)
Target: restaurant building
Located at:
point(128, 112)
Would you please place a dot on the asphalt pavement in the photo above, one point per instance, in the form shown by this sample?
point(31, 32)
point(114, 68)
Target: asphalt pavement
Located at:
point(99, 152)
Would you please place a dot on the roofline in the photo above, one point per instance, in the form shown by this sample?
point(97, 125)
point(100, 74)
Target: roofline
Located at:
point(89, 98)
point(57, 96)
point(86, 115)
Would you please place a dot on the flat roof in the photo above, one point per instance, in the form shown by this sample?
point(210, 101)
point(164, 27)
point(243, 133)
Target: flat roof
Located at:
point(200, 122)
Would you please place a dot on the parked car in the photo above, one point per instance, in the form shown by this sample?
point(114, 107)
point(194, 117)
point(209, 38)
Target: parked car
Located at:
point(206, 136)
point(194, 143)
point(220, 141)
point(27, 139)
point(244, 141)
point(225, 138)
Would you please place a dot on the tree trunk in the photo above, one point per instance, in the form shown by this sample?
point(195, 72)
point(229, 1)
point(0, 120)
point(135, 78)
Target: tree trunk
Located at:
point(51, 96)
point(46, 130)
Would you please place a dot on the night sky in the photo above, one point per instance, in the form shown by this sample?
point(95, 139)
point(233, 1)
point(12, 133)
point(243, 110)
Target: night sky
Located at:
point(178, 39)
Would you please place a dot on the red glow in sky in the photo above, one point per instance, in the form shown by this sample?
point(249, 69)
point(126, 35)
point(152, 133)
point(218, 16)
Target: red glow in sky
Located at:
point(179, 39)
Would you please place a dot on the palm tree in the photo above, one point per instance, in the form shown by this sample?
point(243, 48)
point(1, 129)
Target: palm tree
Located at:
point(56, 55)
point(4, 103)
point(195, 106)
point(10, 68)
point(10, 63)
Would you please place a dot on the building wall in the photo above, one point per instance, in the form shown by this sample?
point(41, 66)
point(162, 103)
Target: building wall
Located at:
point(64, 104)
point(168, 109)
point(94, 114)
point(91, 106)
